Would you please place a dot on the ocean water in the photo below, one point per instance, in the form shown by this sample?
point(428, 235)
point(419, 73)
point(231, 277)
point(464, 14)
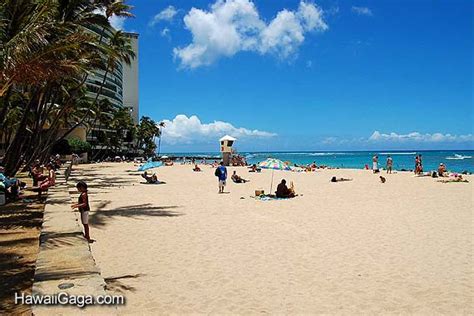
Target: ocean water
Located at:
point(457, 161)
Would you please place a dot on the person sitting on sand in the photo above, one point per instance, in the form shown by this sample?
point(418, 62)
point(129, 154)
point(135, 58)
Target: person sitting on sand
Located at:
point(169, 163)
point(50, 181)
point(334, 179)
point(152, 180)
point(238, 179)
point(196, 168)
point(37, 174)
point(11, 185)
point(283, 191)
point(382, 179)
point(457, 178)
point(253, 168)
point(441, 170)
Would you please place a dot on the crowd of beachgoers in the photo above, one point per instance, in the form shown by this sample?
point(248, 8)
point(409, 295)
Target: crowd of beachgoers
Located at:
point(44, 175)
point(284, 191)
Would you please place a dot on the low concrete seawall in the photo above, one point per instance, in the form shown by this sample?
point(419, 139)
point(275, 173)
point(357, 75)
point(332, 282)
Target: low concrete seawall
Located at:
point(65, 263)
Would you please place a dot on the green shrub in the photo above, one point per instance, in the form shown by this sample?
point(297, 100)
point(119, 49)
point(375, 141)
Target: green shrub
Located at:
point(78, 146)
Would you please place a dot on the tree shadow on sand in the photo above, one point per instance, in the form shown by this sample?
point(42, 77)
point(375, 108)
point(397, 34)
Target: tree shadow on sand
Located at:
point(115, 284)
point(99, 218)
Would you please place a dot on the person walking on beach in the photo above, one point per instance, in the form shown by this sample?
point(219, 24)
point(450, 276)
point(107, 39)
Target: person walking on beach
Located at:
point(389, 164)
point(375, 162)
point(83, 207)
point(221, 174)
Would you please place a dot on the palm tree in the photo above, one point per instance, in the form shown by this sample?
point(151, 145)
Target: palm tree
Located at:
point(46, 53)
point(161, 125)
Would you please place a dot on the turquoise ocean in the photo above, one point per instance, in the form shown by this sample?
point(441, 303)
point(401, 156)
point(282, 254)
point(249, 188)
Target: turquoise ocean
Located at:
point(455, 160)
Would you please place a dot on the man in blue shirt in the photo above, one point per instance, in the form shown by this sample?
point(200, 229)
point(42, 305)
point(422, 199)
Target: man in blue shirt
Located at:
point(221, 173)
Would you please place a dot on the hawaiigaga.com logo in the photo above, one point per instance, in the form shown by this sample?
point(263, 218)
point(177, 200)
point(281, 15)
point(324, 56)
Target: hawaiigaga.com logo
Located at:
point(64, 298)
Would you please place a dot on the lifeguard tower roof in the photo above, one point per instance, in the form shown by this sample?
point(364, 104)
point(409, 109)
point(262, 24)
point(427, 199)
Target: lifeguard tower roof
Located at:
point(227, 137)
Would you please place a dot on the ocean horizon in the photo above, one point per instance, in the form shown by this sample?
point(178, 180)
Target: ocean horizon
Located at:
point(455, 160)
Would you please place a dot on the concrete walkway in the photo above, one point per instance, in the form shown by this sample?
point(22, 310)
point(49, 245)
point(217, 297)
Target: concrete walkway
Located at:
point(65, 262)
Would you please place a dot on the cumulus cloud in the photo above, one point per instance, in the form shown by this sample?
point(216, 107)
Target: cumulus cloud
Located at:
point(362, 11)
point(184, 129)
point(233, 26)
point(419, 137)
point(117, 22)
point(166, 15)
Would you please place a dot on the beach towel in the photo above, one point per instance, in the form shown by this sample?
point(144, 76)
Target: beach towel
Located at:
point(264, 197)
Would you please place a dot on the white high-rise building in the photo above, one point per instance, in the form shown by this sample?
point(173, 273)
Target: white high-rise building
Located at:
point(130, 80)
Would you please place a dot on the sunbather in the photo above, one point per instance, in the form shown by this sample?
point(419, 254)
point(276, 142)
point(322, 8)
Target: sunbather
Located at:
point(153, 179)
point(253, 168)
point(334, 179)
point(11, 186)
point(441, 170)
point(196, 168)
point(283, 191)
point(457, 178)
point(50, 180)
point(238, 179)
point(37, 174)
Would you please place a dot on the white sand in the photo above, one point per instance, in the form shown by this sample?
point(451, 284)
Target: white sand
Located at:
point(353, 247)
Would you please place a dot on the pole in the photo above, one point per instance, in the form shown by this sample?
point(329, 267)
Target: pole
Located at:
point(271, 185)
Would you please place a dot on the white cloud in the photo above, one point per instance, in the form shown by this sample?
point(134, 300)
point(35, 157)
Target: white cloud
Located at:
point(183, 129)
point(233, 26)
point(166, 14)
point(117, 22)
point(165, 32)
point(362, 11)
point(334, 10)
point(419, 137)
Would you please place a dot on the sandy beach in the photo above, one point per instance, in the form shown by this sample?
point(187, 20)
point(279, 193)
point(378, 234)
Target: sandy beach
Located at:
point(339, 248)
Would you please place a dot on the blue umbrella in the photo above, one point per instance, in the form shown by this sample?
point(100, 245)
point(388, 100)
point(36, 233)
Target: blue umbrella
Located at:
point(150, 164)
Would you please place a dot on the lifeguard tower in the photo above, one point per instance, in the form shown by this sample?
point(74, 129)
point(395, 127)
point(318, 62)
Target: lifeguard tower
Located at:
point(226, 148)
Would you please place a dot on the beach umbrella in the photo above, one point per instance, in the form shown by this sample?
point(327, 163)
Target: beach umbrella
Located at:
point(274, 164)
point(150, 164)
point(164, 157)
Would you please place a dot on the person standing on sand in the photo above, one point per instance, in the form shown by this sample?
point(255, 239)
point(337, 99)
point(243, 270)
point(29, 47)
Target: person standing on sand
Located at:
point(389, 164)
point(375, 162)
point(221, 174)
point(83, 207)
point(417, 164)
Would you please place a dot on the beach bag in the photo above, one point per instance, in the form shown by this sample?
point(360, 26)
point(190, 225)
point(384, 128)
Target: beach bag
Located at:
point(217, 173)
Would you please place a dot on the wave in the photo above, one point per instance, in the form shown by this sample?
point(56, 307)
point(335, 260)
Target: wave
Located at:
point(398, 153)
point(326, 154)
point(458, 157)
point(273, 154)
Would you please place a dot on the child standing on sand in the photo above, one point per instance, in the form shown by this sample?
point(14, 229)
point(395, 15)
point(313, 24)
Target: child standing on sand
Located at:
point(83, 207)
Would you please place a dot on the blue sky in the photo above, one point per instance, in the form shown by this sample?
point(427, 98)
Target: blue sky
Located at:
point(307, 75)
